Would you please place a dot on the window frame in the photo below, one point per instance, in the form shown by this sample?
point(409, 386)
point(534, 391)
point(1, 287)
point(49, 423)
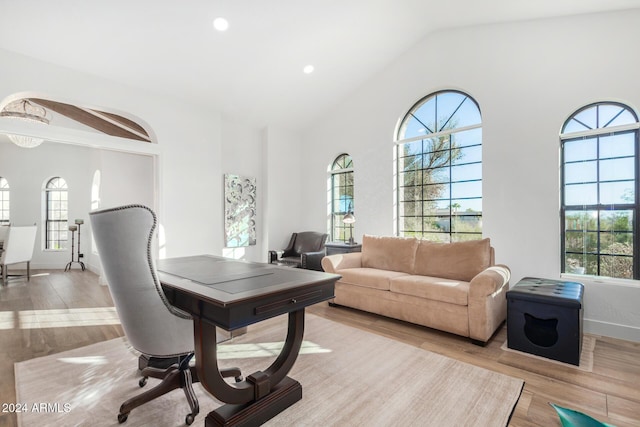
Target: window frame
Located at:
point(336, 227)
point(5, 200)
point(449, 233)
point(596, 134)
point(62, 224)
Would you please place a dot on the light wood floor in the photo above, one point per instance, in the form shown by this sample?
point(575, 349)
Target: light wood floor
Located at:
point(610, 393)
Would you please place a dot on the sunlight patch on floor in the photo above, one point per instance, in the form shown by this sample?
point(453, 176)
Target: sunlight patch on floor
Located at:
point(58, 318)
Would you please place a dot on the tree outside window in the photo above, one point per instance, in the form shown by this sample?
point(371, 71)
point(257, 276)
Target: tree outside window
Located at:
point(439, 169)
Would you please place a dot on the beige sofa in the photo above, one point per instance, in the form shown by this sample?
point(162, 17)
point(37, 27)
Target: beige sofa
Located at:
point(454, 287)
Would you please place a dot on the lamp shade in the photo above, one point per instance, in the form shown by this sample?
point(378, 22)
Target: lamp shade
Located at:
point(349, 218)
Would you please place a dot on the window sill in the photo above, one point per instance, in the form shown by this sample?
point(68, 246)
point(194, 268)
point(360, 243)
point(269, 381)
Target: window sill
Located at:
point(601, 280)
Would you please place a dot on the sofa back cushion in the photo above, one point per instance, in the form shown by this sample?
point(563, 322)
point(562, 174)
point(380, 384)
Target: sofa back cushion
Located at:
point(457, 261)
point(389, 253)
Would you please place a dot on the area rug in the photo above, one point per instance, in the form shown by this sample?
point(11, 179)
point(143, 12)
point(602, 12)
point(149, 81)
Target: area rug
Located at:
point(586, 355)
point(349, 378)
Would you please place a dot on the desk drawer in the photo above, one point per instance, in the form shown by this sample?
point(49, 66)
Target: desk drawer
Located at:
point(285, 304)
point(250, 311)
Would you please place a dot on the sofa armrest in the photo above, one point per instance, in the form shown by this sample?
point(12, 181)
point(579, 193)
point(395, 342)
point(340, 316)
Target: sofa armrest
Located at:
point(333, 263)
point(312, 260)
point(489, 281)
point(488, 302)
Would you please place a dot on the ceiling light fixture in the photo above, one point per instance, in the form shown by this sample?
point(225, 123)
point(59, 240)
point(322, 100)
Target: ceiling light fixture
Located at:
point(308, 69)
point(221, 24)
point(23, 109)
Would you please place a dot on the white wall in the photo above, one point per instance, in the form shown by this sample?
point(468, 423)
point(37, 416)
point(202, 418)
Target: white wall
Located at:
point(184, 182)
point(188, 172)
point(242, 155)
point(285, 175)
point(527, 78)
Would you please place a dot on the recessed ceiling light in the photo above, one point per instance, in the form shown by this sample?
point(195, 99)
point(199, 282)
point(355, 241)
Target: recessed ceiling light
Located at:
point(308, 69)
point(220, 24)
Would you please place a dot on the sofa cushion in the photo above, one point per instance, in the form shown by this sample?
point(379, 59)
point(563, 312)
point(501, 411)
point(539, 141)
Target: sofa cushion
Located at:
point(389, 253)
point(369, 277)
point(457, 261)
point(433, 288)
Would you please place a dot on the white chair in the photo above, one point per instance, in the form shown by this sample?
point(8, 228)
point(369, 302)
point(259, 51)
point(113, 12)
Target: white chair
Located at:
point(155, 328)
point(17, 248)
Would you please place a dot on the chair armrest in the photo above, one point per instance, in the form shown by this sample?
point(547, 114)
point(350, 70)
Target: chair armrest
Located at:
point(333, 263)
point(489, 281)
point(274, 256)
point(312, 260)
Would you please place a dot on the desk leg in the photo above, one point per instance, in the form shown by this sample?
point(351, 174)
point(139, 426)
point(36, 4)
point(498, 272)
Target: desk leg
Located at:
point(263, 394)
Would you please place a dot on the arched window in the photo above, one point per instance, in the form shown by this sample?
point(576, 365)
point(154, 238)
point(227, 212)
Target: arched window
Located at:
point(341, 197)
point(439, 169)
point(600, 191)
point(4, 202)
point(57, 208)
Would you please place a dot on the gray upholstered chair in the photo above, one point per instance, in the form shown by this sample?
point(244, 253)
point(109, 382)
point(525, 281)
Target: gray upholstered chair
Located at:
point(17, 248)
point(305, 250)
point(124, 238)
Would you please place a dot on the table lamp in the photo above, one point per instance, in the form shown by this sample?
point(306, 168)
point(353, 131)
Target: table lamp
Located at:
point(350, 219)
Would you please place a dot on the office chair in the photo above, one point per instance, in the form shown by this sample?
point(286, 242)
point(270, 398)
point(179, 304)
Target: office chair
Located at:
point(152, 326)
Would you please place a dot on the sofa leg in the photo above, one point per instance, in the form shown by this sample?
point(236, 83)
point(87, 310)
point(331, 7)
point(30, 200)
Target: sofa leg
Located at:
point(478, 342)
point(333, 304)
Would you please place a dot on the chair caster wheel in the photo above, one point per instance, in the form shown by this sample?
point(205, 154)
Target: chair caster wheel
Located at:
point(143, 381)
point(189, 419)
point(239, 378)
point(122, 418)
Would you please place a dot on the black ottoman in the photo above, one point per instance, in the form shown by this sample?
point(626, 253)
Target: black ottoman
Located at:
point(544, 317)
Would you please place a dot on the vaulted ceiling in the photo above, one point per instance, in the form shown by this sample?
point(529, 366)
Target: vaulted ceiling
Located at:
point(254, 70)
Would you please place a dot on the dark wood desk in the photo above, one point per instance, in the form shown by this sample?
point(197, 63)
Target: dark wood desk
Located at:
point(233, 294)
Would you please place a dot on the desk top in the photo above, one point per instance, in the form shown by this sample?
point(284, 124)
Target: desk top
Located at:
point(223, 281)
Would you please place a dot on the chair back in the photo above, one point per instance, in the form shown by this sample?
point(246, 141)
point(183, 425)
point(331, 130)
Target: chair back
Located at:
point(18, 244)
point(124, 238)
point(309, 241)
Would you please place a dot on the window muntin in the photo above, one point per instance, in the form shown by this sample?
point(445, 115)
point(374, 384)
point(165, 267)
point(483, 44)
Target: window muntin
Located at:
point(341, 197)
point(600, 192)
point(439, 164)
point(57, 207)
point(5, 212)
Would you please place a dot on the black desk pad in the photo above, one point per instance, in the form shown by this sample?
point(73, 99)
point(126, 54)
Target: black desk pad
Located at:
point(231, 277)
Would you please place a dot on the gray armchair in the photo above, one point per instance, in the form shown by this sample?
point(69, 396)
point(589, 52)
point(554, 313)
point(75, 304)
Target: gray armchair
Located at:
point(305, 250)
point(153, 327)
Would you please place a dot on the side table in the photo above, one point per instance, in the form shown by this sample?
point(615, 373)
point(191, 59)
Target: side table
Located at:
point(342, 248)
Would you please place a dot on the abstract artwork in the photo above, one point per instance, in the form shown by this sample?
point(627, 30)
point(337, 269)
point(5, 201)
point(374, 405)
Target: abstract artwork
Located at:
point(239, 211)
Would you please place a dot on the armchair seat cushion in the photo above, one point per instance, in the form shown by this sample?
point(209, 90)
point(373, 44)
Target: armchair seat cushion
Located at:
point(293, 260)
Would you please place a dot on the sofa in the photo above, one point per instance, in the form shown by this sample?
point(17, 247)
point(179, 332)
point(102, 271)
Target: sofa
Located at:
point(453, 287)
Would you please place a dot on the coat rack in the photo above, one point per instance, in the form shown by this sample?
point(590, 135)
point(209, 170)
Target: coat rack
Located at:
point(72, 229)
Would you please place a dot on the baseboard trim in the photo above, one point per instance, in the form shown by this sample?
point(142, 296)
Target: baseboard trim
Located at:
point(623, 332)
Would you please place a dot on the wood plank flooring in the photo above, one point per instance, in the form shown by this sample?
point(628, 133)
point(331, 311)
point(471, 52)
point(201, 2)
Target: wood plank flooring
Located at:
point(610, 393)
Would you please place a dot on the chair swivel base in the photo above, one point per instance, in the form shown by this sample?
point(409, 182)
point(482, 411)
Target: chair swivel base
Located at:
point(171, 378)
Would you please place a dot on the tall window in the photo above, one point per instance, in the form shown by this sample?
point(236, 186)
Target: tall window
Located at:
point(600, 191)
point(4, 201)
point(439, 169)
point(56, 213)
point(341, 197)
